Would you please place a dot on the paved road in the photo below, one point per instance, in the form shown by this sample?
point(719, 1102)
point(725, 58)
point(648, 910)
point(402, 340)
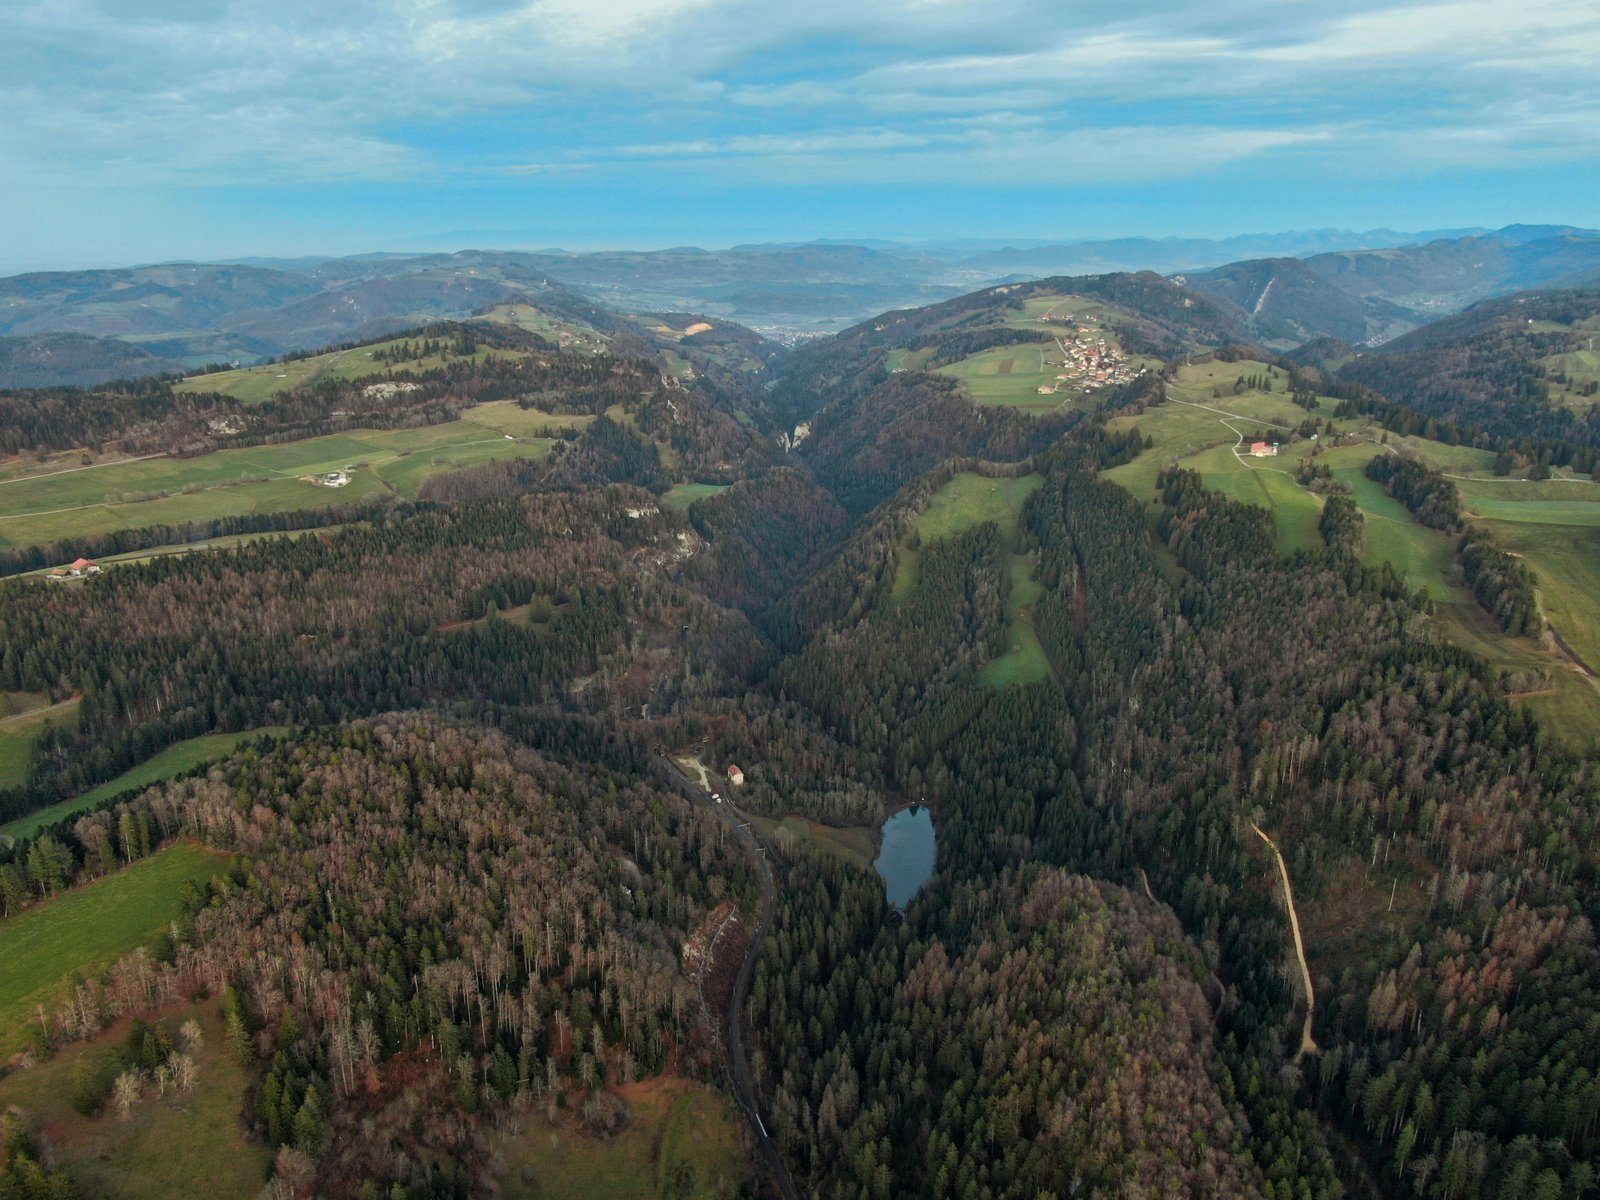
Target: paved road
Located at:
point(762, 851)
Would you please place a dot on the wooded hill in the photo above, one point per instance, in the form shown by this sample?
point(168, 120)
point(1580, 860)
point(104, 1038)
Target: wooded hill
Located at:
point(465, 884)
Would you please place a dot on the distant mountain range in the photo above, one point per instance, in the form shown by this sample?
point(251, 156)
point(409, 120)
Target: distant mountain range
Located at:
point(1367, 297)
point(1284, 289)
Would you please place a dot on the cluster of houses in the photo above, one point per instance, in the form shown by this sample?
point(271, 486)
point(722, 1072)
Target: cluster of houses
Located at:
point(1089, 362)
point(75, 570)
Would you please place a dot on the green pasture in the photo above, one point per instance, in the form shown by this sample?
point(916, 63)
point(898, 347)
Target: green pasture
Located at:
point(1452, 460)
point(174, 760)
point(85, 929)
point(535, 320)
point(407, 474)
point(1566, 561)
point(1011, 376)
point(1294, 510)
point(256, 479)
point(681, 1140)
point(182, 1144)
point(509, 417)
point(1024, 661)
point(1497, 491)
point(681, 495)
point(1554, 525)
point(968, 500)
point(21, 729)
point(255, 385)
point(1082, 311)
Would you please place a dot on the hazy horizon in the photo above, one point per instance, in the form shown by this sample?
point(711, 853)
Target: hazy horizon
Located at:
point(489, 241)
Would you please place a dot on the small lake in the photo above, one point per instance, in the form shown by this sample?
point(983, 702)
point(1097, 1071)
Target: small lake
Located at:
point(906, 859)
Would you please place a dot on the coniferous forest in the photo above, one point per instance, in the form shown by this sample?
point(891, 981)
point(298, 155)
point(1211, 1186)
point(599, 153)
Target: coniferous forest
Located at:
point(466, 881)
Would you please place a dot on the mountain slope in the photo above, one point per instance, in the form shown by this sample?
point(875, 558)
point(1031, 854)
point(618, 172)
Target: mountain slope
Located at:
point(75, 360)
point(1519, 367)
point(1285, 301)
point(1449, 274)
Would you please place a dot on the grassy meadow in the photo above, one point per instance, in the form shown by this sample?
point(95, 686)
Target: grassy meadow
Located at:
point(87, 928)
point(568, 336)
point(856, 844)
point(177, 1145)
point(681, 495)
point(682, 1141)
point(1011, 376)
point(174, 760)
point(262, 479)
point(967, 500)
point(1553, 525)
point(19, 729)
point(255, 385)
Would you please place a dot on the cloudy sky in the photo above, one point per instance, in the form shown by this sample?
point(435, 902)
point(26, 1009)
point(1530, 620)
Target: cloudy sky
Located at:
point(144, 129)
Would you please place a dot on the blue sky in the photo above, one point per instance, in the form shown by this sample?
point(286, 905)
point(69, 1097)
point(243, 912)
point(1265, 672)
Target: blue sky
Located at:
point(137, 130)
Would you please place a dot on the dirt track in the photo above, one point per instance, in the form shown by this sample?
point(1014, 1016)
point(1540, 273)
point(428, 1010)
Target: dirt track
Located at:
point(1307, 1045)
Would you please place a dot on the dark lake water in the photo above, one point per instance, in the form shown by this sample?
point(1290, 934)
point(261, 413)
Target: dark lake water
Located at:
point(906, 859)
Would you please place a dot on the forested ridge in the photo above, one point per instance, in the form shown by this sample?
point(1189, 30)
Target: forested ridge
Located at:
point(467, 882)
point(1482, 368)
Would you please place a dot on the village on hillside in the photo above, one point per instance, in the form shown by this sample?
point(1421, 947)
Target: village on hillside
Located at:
point(1088, 361)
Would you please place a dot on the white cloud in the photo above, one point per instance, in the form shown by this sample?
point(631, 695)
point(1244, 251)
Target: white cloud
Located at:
point(994, 152)
point(1547, 33)
point(202, 92)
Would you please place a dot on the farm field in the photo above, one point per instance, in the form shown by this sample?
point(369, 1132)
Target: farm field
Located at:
point(21, 728)
point(1012, 375)
point(177, 1145)
point(681, 495)
point(255, 385)
point(1009, 375)
point(967, 500)
point(256, 479)
point(174, 760)
point(682, 1141)
point(87, 928)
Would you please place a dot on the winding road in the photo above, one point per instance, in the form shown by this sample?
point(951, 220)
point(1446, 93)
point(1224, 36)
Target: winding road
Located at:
point(762, 851)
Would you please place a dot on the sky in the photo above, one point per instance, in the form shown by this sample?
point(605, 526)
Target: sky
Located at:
point(143, 130)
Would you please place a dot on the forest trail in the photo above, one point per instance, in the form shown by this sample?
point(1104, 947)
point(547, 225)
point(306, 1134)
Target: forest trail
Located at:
point(1307, 1045)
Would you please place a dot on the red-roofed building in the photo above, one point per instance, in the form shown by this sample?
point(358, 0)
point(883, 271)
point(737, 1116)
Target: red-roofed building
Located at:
point(84, 566)
point(735, 775)
point(1263, 449)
